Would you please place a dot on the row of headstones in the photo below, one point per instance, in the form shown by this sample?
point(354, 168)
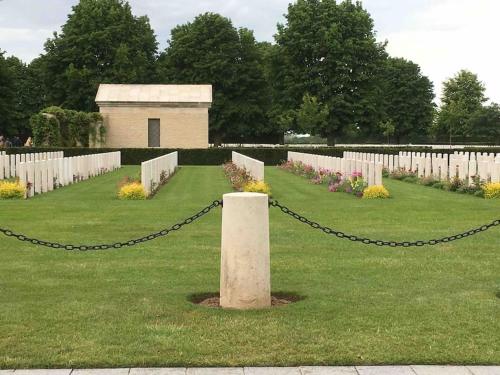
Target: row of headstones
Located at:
point(254, 167)
point(151, 170)
point(370, 169)
point(41, 176)
point(463, 165)
point(9, 164)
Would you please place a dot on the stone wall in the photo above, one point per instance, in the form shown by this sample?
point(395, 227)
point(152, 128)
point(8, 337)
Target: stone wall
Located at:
point(127, 127)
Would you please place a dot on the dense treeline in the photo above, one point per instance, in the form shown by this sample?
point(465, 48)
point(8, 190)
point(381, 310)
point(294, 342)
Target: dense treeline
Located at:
point(325, 75)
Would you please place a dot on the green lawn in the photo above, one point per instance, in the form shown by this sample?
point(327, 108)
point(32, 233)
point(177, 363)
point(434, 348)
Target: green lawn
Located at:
point(363, 305)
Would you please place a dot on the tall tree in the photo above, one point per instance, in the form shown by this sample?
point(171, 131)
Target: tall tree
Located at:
point(485, 123)
point(28, 96)
point(329, 50)
point(408, 100)
point(463, 95)
point(7, 98)
point(101, 42)
point(210, 50)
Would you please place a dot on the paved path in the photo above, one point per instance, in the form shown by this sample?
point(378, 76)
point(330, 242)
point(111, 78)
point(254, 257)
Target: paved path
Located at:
point(304, 370)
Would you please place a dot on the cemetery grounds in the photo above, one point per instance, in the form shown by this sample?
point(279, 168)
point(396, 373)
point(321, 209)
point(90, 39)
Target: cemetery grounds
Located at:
point(359, 304)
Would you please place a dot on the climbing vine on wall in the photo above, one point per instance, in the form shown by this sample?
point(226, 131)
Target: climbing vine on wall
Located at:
point(55, 126)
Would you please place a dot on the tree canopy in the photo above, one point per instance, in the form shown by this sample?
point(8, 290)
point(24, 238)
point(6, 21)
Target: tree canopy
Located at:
point(408, 99)
point(101, 42)
point(211, 50)
point(325, 75)
point(7, 99)
point(463, 96)
point(328, 50)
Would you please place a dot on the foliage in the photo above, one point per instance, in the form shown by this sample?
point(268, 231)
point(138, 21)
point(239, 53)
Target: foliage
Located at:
point(354, 184)
point(376, 192)
point(7, 100)
point(68, 128)
point(164, 178)
point(329, 50)
point(101, 42)
point(257, 187)
point(46, 130)
point(336, 182)
point(211, 50)
point(403, 175)
point(463, 95)
point(312, 116)
point(132, 191)
point(492, 190)
point(408, 100)
point(455, 184)
point(486, 123)
point(12, 190)
point(238, 177)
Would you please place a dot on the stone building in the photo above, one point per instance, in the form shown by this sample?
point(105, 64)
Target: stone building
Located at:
point(167, 116)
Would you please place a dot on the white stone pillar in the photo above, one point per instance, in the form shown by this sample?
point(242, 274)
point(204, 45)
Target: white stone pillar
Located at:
point(2, 162)
point(378, 173)
point(31, 177)
point(245, 281)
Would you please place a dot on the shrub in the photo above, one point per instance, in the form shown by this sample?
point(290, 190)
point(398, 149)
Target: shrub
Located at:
point(404, 175)
point(238, 177)
point(454, 184)
point(258, 187)
point(427, 181)
point(376, 191)
point(132, 191)
point(12, 190)
point(438, 185)
point(355, 184)
point(492, 190)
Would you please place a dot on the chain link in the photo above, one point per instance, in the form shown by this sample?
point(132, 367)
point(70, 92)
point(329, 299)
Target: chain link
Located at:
point(367, 241)
point(116, 245)
point(273, 203)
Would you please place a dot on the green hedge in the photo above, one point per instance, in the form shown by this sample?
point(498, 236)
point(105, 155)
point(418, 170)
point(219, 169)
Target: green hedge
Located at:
point(217, 156)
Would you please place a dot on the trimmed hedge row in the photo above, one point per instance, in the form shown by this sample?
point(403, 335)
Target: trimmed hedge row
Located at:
point(217, 156)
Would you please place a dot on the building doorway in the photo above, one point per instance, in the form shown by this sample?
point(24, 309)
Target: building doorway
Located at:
point(154, 132)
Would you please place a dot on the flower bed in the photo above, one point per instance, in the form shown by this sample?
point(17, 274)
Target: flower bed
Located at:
point(12, 190)
point(132, 191)
point(354, 184)
point(130, 188)
point(242, 181)
point(476, 187)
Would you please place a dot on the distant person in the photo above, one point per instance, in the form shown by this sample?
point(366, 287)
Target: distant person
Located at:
point(16, 142)
point(8, 143)
point(2, 141)
point(29, 142)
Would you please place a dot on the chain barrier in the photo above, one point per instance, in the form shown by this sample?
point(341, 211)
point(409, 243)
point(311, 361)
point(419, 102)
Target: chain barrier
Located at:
point(272, 203)
point(116, 245)
point(367, 241)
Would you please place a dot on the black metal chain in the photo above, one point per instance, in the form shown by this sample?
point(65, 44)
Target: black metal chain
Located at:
point(367, 241)
point(116, 245)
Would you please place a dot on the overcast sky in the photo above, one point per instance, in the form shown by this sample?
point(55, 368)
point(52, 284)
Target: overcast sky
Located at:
point(442, 36)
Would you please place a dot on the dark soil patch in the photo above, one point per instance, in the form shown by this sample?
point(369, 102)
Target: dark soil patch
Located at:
point(213, 300)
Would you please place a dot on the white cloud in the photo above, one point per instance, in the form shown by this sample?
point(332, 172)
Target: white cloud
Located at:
point(449, 35)
point(442, 36)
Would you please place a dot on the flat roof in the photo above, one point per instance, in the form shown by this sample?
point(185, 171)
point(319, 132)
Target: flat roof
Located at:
point(154, 94)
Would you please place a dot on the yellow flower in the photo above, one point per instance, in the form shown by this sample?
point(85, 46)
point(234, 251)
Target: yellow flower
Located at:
point(376, 191)
point(12, 190)
point(132, 191)
point(257, 187)
point(492, 190)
